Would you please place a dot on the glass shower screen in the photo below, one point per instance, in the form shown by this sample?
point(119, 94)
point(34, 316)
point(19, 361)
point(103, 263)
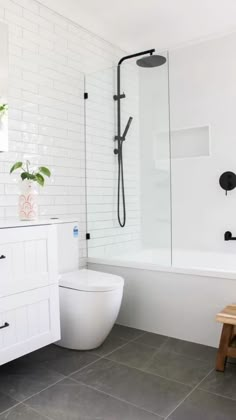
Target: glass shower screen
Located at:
point(146, 236)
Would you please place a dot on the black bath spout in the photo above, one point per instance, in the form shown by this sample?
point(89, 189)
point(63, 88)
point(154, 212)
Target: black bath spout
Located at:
point(228, 236)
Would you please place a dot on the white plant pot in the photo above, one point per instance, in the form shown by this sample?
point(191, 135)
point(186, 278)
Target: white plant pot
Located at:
point(28, 200)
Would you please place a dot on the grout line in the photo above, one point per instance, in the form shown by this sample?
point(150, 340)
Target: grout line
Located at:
point(123, 345)
point(87, 365)
point(168, 351)
point(83, 367)
point(116, 398)
point(106, 357)
point(185, 356)
point(188, 394)
point(10, 408)
point(218, 395)
point(33, 409)
point(150, 373)
point(148, 332)
point(175, 352)
point(44, 389)
point(99, 357)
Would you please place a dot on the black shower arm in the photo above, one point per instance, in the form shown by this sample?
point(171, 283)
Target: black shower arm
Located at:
point(127, 57)
point(118, 97)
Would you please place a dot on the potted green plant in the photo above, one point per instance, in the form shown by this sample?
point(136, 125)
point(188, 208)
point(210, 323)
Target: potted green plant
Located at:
point(30, 179)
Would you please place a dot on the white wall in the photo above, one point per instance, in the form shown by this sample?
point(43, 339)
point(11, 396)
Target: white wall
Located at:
point(203, 92)
point(48, 56)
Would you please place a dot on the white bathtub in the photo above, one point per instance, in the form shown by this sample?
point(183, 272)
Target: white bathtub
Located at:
point(179, 301)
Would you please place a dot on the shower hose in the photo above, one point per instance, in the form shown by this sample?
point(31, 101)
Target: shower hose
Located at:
point(121, 187)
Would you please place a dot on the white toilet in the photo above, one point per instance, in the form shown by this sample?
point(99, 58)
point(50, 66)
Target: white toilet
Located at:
point(89, 300)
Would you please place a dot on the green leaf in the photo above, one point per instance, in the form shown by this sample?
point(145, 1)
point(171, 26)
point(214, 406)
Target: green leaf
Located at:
point(17, 165)
point(39, 178)
point(44, 171)
point(27, 175)
point(24, 175)
point(3, 107)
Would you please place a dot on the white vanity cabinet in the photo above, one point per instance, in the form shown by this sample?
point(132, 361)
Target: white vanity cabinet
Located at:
point(29, 295)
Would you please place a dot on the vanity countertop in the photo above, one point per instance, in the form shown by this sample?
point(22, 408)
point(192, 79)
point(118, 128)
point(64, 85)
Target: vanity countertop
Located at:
point(13, 222)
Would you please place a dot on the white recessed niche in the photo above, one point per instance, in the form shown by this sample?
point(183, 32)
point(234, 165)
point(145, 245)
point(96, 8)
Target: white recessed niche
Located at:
point(190, 142)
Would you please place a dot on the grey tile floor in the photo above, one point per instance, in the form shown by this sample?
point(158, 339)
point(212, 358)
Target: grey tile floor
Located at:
point(134, 375)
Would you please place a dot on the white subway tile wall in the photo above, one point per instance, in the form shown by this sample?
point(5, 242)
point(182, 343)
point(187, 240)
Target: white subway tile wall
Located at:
point(108, 239)
point(48, 58)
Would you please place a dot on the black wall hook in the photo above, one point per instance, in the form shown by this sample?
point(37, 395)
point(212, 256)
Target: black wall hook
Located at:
point(228, 181)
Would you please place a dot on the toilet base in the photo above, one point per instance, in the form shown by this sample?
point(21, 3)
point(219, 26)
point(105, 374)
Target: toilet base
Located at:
point(87, 317)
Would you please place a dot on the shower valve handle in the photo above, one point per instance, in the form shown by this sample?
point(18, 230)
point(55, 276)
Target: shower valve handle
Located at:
point(228, 236)
point(116, 151)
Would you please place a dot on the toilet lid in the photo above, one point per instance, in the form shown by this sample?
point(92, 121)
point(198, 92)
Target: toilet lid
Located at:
point(91, 281)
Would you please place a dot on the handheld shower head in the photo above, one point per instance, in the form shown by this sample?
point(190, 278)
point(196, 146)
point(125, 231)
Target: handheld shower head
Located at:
point(127, 127)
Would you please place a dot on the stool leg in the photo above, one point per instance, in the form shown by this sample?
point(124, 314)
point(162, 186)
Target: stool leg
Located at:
point(234, 332)
point(225, 340)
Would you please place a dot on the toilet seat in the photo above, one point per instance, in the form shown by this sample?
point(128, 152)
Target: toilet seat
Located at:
point(91, 281)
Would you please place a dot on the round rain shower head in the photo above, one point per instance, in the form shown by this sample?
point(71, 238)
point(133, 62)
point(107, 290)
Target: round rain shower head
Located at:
point(151, 61)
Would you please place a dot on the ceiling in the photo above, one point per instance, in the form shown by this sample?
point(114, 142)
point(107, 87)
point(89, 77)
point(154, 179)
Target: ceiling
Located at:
point(137, 24)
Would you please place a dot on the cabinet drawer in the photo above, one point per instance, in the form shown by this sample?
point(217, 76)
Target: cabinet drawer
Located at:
point(28, 321)
point(28, 258)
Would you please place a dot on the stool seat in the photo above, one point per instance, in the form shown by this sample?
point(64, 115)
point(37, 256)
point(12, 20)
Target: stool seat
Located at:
point(228, 315)
point(226, 347)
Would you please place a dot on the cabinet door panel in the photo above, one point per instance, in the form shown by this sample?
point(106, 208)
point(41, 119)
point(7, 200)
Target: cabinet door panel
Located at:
point(30, 320)
point(29, 258)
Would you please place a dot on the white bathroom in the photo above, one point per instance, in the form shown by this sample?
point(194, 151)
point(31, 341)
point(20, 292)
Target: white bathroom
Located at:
point(117, 210)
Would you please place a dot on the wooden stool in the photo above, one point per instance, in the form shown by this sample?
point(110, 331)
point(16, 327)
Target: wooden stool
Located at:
point(228, 318)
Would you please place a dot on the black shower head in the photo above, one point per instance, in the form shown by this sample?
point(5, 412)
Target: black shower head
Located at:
point(151, 61)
